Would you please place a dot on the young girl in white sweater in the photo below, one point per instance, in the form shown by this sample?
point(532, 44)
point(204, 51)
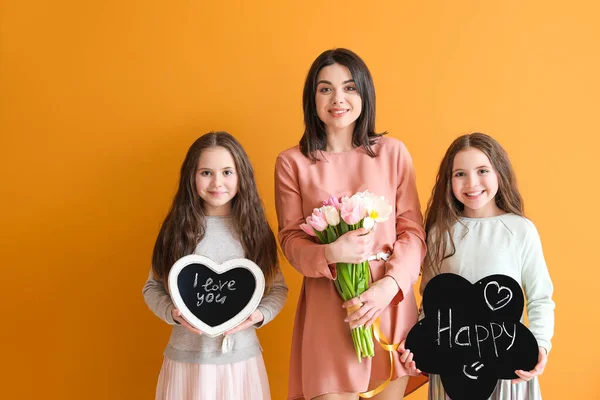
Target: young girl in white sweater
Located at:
point(476, 228)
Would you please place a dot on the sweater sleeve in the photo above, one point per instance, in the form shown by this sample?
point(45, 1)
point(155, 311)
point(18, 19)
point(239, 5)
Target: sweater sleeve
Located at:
point(538, 289)
point(302, 252)
point(158, 300)
point(272, 303)
point(409, 249)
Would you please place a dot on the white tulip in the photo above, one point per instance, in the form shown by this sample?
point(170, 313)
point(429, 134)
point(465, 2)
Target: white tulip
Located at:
point(332, 215)
point(378, 207)
point(368, 223)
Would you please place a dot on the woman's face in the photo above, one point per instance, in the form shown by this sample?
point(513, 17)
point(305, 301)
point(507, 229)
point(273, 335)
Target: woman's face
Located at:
point(337, 100)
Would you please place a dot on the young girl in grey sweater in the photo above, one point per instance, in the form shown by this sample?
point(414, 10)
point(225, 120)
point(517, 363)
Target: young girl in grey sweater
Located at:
point(216, 213)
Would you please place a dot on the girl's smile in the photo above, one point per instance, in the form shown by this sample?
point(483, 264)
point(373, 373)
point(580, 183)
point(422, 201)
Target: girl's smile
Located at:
point(475, 183)
point(216, 180)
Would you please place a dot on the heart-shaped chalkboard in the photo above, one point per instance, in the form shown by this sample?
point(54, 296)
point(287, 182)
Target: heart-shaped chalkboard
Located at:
point(215, 297)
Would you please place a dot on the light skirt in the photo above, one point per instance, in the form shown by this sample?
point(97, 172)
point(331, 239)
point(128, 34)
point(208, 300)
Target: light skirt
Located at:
point(244, 380)
point(505, 390)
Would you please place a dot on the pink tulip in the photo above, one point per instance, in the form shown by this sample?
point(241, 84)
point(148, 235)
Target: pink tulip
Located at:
point(308, 229)
point(317, 220)
point(333, 201)
point(352, 210)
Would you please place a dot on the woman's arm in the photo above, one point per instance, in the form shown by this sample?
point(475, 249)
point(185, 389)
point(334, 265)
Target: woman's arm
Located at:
point(409, 249)
point(302, 252)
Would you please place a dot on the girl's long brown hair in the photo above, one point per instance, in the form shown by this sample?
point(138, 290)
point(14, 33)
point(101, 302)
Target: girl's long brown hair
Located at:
point(185, 223)
point(444, 210)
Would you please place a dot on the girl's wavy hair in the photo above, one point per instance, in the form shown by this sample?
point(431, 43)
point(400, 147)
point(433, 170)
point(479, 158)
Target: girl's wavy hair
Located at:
point(185, 223)
point(315, 136)
point(444, 210)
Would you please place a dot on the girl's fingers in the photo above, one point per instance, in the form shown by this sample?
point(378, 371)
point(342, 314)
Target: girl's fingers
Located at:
point(191, 328)
point(412, 368)
point(240, 327)
point(524, 375)
point(184, 323)
point(404, 356)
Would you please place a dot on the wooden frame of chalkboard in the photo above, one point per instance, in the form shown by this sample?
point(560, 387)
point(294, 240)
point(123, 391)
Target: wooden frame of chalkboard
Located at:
point(254, 291)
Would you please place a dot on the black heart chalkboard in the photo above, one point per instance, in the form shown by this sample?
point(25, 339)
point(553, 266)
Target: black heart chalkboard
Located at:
point(472, 335)
point(215, 297)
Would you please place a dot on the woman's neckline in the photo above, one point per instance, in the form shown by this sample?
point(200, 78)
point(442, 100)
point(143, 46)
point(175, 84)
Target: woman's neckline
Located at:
point(352, 150)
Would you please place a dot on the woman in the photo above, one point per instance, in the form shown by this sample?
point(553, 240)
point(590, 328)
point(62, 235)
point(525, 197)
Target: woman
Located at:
point(340, 154)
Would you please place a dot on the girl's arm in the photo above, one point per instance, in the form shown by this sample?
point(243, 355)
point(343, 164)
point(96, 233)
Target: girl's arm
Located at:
point(538, 288)
point(158, 300)
point(409, 249)
point(302, 252)
point(272, 303)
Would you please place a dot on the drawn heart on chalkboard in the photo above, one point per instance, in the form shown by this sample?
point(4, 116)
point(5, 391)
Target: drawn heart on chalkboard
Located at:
point(215, 297)
point(497, 297)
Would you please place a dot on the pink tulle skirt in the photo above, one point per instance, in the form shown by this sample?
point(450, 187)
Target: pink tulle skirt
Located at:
point(244, 380)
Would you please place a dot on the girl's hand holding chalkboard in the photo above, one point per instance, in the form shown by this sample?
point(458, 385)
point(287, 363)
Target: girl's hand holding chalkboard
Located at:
point(254, 318)
point(406, 358)
point(537, 370)
point(177, 317)
point(374, 300)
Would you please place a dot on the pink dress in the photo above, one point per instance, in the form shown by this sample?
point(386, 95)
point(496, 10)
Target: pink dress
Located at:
point(323, 359)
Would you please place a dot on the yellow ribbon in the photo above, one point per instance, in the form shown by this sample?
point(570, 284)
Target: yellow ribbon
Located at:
point(355, 307)
point(383, 342)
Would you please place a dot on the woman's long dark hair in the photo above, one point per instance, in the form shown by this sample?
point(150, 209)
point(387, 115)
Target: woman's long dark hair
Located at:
point(315, 136)
point(444, 210)
point(185, 223)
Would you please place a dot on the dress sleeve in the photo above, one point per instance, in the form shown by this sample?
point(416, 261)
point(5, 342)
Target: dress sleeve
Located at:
point(538, 289)
point(409, 249)
point(272, 303)
point(428, 274)
point(302, 252)
point(158, 300)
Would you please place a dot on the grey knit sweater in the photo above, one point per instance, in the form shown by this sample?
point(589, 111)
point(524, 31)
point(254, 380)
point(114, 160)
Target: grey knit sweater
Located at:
point(220, 244)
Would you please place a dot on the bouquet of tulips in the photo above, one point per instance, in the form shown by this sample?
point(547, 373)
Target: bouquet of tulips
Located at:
point(333, 219)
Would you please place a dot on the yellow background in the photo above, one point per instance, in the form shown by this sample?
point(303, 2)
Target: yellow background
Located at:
point(100, 101)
